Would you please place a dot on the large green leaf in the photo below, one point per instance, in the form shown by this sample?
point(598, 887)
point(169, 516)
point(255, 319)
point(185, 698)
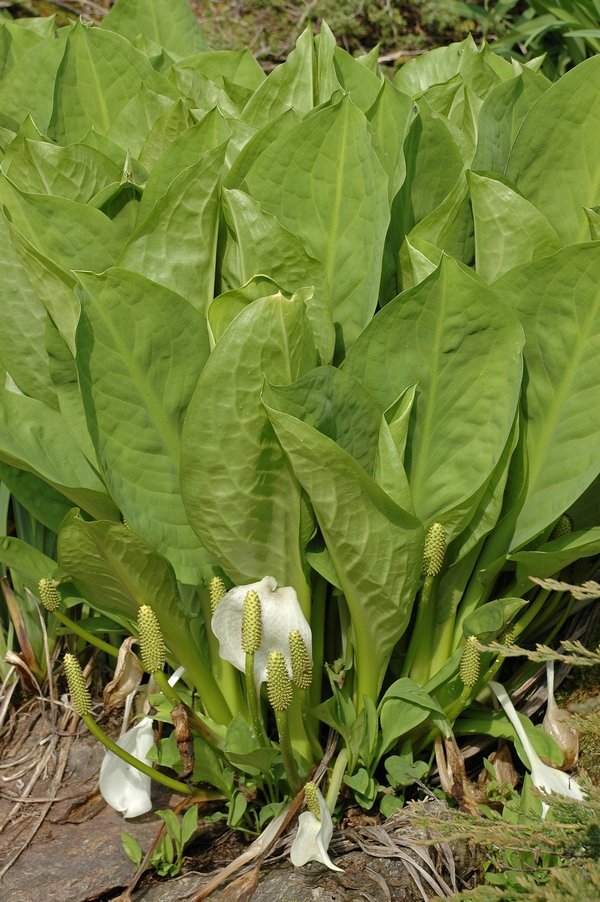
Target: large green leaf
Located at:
point(551, 557)
point(140, 350)
point(40, 499)
point(23, 319)
point(31, 564)
point(185, 151)
point(361, 85)
point(462, 347)
point(99, 74)
point(36, 438)
point(290, 86)
point(66, 382)
point(76, 172)
point(257, 243)
point(15, 42)
point(240, 495)
point(226, 306)
point(177, 244)
point(169, 23)
point(136, 119)
point(52, 284)
point(167, 128)
point(116, 571)
point(558, 302)
point(390, 117)
point(336, 405)
point(501, 116)
point(73, 235)
point(29, 87)
point(236, 66)
point(554, 160)
point(303, 179)
point(509, 230)
point(375, 546)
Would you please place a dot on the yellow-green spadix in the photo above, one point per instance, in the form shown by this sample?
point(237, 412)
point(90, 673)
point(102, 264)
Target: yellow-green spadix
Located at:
point(280, 614)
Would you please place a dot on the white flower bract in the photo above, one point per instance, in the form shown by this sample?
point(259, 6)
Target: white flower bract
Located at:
point(313, 837)
point(546, 779)
point(280, 614)
point(125, 788)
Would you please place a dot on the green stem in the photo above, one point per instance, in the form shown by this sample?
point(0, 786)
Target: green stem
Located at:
point(287, 753)
point(175, 785)
point(566, 614)
point(417, 661)
point(89, 637)
point(252, 696)
point(199, 726)
point(337, 775)
point(226, 675)
point(317, 623)
point(533, 609)
point(315, 745)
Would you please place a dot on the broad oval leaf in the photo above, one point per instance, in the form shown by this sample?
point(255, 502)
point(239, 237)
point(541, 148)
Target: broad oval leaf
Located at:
point(452, 337)
point(553, 161)
point(239, 492)
point(557, 300)
point(140, 350)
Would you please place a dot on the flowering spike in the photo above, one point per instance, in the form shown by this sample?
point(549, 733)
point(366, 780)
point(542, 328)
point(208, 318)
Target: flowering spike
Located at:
point(507, 636)
point(48, 594)
point(251, 623)
point(312, 800)
point(152, 646)
point(470, 663)
point(435, 547)
point(279, 685)
point(562, 527)
point(301, 661)
point(217, 591)
point(81, 698)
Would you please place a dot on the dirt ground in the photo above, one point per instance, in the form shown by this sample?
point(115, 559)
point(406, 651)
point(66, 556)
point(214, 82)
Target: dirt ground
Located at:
point(60, 841)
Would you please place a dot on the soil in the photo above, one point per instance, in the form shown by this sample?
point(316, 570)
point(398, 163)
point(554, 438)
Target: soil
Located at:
point(60, 841)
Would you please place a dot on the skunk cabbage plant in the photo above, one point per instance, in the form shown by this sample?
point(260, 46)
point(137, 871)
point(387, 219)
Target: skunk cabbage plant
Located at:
point(311, 325)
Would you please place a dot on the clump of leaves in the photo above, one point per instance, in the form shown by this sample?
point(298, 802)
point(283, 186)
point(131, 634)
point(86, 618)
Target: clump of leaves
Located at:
point(167, 857)
point(284, 332)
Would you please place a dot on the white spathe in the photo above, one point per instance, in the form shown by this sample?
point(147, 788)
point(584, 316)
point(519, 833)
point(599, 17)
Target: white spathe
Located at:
point(280, 614)
point(313, 837)
point(546, 779)
point(125, 788)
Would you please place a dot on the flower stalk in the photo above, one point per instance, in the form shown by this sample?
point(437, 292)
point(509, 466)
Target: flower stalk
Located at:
point(82, 702)
point(50, 598)
point(279, 689)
